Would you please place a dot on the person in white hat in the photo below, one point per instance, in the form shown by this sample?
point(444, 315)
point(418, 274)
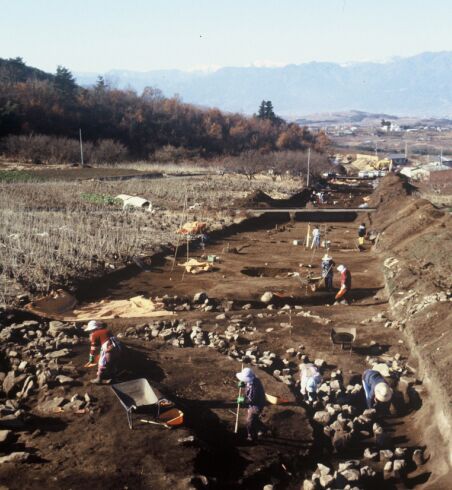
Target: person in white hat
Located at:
point(376, 388)
point(254, 399)
point(346, 284)
point(108, 347)
point(315, 237)
point(327, 266)
point(310, 380)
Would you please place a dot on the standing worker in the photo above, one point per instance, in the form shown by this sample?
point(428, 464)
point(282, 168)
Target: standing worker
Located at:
point(315, 237)
point(346, 285)
point(310, 380)
point(255, 400)
point(376, 388)
point(328, 271)
point(109, 348)
point(361, 236)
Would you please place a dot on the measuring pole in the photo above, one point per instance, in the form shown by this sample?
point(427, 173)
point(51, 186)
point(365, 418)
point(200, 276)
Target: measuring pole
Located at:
point(236, 427)
point(309, 165)
point(81, 147)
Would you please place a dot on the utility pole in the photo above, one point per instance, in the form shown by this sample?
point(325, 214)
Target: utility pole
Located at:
point(81, 147)
point(309, 166)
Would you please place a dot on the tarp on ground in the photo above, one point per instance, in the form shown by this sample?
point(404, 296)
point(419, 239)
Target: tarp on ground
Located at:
point(194, 266)
point(63, 306)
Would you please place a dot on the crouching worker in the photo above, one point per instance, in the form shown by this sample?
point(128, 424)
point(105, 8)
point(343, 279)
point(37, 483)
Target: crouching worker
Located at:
point(310, 380)
point(109, 349)
point(378, 392)
point(255, 400)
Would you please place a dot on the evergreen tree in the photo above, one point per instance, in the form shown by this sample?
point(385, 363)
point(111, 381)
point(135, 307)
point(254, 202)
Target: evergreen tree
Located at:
point(65, 84)
point(262, 108)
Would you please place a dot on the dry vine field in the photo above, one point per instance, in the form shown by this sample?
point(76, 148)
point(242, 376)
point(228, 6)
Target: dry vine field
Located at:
point(256, 306)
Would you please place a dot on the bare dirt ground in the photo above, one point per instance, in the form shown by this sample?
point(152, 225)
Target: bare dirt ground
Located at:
point(95, 447)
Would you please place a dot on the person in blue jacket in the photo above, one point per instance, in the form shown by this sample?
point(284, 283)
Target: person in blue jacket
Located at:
point(255, 400)
point(376, 388)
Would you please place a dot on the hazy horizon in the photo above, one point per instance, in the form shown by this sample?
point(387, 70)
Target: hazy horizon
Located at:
point(96, 37)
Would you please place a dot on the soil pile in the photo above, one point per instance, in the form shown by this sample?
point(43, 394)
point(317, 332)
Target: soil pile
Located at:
point(259, 199)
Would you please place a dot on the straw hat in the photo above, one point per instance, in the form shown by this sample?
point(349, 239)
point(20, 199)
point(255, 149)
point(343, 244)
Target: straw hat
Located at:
point(341, 268)
point(327, 257)
point(246, 375)
point(383, 393)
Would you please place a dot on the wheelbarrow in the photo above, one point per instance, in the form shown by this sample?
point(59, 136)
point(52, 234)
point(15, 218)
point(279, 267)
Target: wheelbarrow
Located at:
point(138, 397)
point(343, 336)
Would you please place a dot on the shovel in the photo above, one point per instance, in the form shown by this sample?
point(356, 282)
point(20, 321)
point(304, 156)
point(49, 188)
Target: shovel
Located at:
point(156, 423)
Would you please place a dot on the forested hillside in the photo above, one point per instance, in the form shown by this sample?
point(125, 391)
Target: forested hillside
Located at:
point(123, 122)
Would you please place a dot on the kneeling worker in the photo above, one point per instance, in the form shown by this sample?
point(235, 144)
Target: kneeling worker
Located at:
point(376, 388)
point(109, 348)
point(310, 380)
point(255, 400)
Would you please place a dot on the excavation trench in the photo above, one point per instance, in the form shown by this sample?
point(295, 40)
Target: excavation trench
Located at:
point(257, 256)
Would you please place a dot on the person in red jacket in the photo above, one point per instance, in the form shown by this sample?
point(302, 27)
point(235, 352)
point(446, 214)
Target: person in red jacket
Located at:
point(346, 284)
point(109, 348)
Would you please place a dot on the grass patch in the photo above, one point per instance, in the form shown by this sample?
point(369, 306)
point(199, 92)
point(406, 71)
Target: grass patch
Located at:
point(14, 176)
point(101, 199)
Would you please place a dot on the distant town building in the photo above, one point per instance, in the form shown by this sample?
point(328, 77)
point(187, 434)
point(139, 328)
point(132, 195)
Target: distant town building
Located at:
point(397, 159)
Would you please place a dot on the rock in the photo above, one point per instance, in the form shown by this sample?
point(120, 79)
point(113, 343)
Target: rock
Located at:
point(310, 485)
point(200, 297)
point(367, 472)
point(398, 468)
point(11, 382)
point(56, 327)
point(370, 454)
point(351, 475)
point(418, 457)
point(322, 417)
point(382, 368)
point(326, 481)
point(400, 452)
point(386, 455)
point(268, 487)
point(324, 470)
point(387, 470)
point(267, 297)
point(17, 457)
point(221, 316)
point(58, 353)
point(64, 380)
point(186, 441)
point(52, 405)
point(4, 436)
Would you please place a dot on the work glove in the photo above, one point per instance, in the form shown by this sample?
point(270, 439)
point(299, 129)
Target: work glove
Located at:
point(240, 400)
point(240, 384)
point(91, 359)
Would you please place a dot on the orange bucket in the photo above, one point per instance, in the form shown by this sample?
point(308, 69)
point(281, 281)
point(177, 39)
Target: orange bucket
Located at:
point(172, 417)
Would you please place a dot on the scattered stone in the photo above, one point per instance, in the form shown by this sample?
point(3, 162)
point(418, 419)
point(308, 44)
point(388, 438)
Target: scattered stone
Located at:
point(17, 457)
point(52, 405)
point(398, 468)
point(387, 470)
point(4, 436)
point(326, 481)
point(370, 454)
point(386, 455)
point(58, 353)
point(267, 297)
point(322, 417)
point(418, 457)
point(64, 380)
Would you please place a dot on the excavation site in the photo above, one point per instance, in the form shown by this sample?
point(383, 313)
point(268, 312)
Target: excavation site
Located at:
point(198, 320)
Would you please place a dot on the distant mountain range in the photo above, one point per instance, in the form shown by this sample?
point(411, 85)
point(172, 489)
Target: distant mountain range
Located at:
point(419, 86)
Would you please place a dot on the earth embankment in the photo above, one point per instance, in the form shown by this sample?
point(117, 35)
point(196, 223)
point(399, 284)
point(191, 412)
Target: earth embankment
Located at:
point(414, 238)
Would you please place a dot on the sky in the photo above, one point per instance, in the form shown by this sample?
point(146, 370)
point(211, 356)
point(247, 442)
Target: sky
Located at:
point(142, 35)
